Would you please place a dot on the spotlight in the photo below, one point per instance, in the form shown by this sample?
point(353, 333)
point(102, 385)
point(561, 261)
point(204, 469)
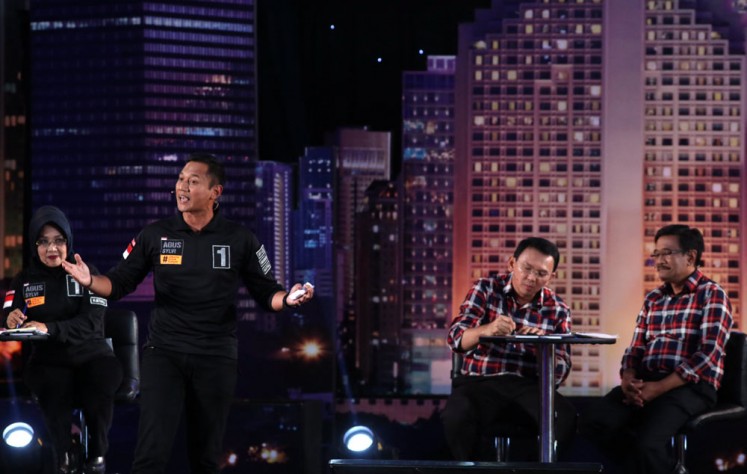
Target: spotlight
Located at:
point(18, 435)
point(358, 439)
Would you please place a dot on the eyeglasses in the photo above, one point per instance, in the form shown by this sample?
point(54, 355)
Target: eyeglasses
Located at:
point(527, 270)
point(57, 241)
point(665, 253)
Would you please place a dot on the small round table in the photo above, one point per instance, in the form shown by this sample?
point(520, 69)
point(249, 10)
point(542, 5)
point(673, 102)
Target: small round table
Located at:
point(545, 358)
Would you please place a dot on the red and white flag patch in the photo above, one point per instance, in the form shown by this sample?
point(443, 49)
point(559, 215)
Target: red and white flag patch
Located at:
point(127, 252)
point(9, 298)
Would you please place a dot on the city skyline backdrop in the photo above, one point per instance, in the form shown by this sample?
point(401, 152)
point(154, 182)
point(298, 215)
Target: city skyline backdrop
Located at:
point(591, 123)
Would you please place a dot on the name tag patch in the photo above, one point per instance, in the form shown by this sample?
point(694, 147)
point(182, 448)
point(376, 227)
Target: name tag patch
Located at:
point(97, 300)
point(33, 294)
point(172, 251)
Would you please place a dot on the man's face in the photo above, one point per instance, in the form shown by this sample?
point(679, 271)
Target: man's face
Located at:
point(678, 265)
point(194, 192)
point(530, 272)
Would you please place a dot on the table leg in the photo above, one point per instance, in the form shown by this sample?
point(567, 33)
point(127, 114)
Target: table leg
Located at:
point(546, 359)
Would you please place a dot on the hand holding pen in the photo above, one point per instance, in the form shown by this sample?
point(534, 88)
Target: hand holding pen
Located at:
point(501, 326)
point(17, 317)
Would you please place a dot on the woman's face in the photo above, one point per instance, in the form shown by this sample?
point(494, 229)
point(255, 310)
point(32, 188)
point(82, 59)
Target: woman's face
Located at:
point(51, 246)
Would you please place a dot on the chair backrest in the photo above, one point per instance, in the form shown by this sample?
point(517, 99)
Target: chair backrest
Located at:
point(120, 325)
point(734, 382)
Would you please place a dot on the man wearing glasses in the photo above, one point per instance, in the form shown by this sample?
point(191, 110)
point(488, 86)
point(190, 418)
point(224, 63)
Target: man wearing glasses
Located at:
point(673, 367)
point(500, 381)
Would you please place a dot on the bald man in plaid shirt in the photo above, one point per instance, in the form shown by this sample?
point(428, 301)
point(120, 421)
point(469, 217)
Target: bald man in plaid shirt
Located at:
point(673, 367)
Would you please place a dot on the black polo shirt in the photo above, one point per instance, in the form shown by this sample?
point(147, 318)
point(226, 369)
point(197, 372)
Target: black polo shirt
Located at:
point(196, 279)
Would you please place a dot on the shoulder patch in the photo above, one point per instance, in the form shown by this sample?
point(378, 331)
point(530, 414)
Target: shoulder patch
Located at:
point(264, 262)
point(8, 299)
point(128, 250)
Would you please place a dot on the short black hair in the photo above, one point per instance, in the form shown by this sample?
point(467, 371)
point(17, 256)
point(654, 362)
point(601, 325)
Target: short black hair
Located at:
point(215, 168)
point(544, 246)
point(689, 238)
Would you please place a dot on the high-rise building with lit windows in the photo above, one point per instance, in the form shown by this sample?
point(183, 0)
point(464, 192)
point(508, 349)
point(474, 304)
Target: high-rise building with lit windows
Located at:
point(378, 292)
point(362, 156)
point(694, 96)
point(314, 251)
point(529, 158)
point(426, 219)
point(273, 215)
point(14, 99)
point(123, 92)
point(594, 123)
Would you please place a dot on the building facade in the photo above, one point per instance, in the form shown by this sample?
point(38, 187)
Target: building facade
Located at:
point(528, 159)
point(361, 157)
point(426, 195)
point(378, 292)
point(124, 91)
point(274, 205)
point(694, 78)
point(593, 124)
point(315, 250)
point(14, 100)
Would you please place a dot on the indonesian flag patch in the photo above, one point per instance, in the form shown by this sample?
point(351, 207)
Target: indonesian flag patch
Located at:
point(127, 252)
point(9, 298)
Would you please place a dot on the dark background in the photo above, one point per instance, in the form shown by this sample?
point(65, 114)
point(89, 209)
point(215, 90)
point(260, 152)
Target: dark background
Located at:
point(313, 79)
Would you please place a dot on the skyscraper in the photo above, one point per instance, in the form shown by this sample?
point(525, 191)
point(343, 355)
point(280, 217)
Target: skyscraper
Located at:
point(378, 291)
point(529, 99)
point(593, 124)
point(273, 215)
point(123, 92)
point(361, 157)
point(314, 254)
point(694, 78)
point(426, 219)
point(13, 133)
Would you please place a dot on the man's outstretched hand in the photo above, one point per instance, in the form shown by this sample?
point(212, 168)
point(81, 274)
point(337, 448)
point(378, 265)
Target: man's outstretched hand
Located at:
point(78, 270)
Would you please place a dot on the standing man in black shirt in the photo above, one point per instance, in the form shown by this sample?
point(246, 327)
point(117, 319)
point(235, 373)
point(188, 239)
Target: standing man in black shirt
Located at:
point(189, 363)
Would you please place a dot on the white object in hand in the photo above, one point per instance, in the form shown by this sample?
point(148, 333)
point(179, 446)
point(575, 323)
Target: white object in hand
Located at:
point(300, 292)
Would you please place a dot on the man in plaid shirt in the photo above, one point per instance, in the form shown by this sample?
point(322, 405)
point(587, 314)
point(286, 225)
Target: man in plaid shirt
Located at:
point(500, 381)
point(673, 367)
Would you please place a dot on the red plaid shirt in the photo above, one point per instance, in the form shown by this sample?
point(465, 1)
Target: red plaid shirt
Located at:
point(491, 297)
point(684, 333)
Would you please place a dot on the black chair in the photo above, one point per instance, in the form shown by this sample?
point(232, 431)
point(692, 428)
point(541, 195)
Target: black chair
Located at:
point(732, 397)
point(120, 325)
point(121, 331)
point(502, 431)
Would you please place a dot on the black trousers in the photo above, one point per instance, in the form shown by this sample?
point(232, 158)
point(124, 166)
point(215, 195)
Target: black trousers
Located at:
point(477, 402)
point(89, 386)
point(173, 383)
point(637, 439)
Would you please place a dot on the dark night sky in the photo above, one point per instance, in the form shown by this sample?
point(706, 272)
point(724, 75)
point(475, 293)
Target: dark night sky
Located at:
point(313, 79)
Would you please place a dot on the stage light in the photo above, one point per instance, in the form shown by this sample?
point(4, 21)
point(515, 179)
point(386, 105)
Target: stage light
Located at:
point(18, 435)
point(358, 439)
point(311, 350)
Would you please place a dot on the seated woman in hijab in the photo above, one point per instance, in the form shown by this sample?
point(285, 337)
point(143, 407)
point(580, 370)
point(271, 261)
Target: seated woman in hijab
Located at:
point(74, 366)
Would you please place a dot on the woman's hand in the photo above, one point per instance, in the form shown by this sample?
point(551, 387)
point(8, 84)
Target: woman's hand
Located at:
point(15, 319)
point(39, 326)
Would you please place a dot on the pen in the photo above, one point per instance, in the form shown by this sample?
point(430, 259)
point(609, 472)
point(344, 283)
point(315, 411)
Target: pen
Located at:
point(25, 307)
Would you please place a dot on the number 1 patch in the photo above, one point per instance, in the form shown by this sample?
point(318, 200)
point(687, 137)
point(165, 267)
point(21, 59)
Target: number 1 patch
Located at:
point(73, 287)
point(221, 257)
